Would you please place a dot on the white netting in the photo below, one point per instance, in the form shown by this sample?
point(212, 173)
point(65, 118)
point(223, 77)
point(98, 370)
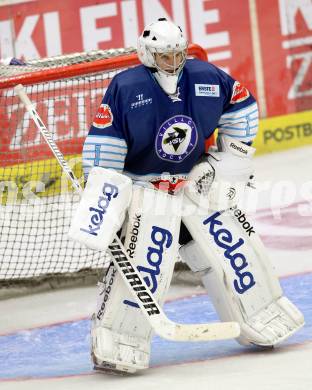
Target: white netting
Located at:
point(63, 60)
point(36, 202)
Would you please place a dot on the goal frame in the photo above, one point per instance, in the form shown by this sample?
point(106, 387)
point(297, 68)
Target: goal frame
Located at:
point(101, 65)
point(51, 73)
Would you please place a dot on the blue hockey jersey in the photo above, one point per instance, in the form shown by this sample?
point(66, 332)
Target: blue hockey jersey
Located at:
point(145, 133)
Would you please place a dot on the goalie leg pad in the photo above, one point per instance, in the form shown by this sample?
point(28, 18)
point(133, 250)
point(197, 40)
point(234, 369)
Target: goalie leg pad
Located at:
point(231, 259)
point(102, 208)
point(121, 335)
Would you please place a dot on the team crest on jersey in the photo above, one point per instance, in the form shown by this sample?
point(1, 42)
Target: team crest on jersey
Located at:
point(240, 93)
point(176, 138)
point(103, 117)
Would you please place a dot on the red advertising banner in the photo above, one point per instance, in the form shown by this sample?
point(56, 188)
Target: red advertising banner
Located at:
point(286, 39)
point(265, 44)
point(34, 29)
point(67, 109)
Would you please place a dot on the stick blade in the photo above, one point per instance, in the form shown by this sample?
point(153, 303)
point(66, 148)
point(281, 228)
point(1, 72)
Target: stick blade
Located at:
point(201, 332)
point(208, 332)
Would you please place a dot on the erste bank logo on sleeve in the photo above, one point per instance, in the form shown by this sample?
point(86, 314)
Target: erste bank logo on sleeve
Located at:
point(210, 90)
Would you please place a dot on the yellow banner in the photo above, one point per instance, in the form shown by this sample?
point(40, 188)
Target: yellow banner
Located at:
point(284, 132)
point(40, 178)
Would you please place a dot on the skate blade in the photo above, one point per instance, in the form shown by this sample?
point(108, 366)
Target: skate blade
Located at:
point(112, 369)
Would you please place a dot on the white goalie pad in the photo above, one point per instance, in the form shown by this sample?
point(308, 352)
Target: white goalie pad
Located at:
point(239, 277)
point(102, 208)
point(121, 335)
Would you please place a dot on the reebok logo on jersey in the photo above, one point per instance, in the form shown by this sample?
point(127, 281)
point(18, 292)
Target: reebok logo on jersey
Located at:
point(240, 93)
point(103, 117)
point(210, 90)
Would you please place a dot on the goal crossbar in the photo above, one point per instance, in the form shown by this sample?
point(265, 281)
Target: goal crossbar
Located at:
point(100, 65)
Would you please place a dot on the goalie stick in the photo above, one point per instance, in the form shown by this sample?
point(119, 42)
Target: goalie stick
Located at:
point(154, 314)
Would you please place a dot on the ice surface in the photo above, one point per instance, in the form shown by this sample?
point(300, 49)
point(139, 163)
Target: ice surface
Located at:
point(45, 337)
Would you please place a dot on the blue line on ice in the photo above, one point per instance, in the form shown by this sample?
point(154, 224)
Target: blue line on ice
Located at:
point(64, 349)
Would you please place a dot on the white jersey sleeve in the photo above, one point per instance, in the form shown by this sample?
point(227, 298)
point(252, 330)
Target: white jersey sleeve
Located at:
point(240, 124)
point(105, 145)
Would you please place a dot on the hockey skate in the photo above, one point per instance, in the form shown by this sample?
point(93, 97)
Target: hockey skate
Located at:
point(118, 354)
point(110, 368)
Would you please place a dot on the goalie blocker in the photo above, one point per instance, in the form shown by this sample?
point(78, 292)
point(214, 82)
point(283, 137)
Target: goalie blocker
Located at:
point(228, 253)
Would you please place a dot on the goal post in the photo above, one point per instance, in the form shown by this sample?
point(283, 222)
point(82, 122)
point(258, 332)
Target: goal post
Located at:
point(36, 199)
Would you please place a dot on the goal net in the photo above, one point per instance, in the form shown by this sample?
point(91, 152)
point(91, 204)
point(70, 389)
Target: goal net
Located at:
point(36, 200)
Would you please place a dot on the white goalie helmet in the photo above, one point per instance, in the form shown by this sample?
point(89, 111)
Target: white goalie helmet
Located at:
point(163, 47)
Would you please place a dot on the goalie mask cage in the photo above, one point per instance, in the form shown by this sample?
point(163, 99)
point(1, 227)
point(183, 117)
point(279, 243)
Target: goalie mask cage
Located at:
point(36, 200)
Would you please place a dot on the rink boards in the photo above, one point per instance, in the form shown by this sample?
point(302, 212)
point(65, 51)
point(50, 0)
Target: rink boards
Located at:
point(284, 132)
